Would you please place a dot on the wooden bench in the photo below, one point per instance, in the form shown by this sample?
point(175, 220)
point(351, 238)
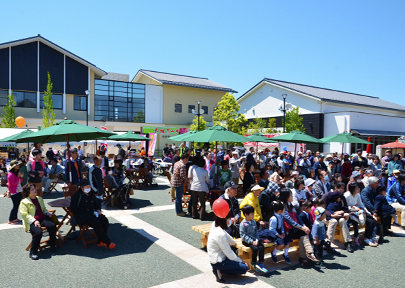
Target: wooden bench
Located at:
point(205, 231)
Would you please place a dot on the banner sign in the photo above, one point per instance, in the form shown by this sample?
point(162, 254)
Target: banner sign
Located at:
point(164, 130)
point(152, 144)
point(263, 144)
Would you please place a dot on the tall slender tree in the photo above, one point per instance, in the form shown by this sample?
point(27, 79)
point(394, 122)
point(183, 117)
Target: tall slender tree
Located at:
point(227, 114)
point(48, 114)
point(293, 120)
point(9, 112)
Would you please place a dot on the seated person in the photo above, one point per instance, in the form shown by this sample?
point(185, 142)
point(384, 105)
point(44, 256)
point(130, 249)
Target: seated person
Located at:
point(110, 178)
point(267, 197)
point(54, 173)
point(224, 174)
point(234, 212)
point(305, 215)
point(35, 216)
point(298, 192)
point(250, 238)
point(86, 208)
point(264, 178)
point(252, 199)
point(338, 213)
point(167, 159)
point(384, 210)
point(118, 172)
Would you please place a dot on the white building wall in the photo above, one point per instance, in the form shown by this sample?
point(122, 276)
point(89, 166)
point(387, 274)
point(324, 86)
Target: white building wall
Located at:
point(153, 104)
point(336, 123)
point(376, 122)
point(264, 102)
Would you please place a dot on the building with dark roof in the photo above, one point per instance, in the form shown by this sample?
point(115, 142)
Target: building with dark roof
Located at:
point(327, 112)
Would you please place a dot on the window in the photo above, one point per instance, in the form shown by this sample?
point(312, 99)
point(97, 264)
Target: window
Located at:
point(26, 99)
point(205, 108)
point(3, 97)
point(191, 108)
point(118, 101)
point(57, 101)
point(80, 103)
point(177, 108)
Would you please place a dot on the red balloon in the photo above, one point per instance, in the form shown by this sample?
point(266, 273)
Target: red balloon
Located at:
point(220, 208)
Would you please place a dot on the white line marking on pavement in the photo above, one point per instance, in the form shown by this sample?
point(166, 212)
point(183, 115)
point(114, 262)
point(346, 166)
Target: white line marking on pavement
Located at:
point(151, 209)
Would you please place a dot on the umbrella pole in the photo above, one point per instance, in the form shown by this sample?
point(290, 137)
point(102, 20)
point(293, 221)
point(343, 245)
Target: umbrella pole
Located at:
point(216, 161)
point(68, 153)
point(343, 146)
point(95, 153)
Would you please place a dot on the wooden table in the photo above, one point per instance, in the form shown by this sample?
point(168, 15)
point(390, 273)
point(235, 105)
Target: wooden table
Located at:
point(65, 205)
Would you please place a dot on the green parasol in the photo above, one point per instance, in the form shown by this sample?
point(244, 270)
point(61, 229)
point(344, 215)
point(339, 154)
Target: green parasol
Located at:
point(129, 136)
point(297, 136)
point(181, 136)
point(215, 133)
point(15, 137)
point(345, 138)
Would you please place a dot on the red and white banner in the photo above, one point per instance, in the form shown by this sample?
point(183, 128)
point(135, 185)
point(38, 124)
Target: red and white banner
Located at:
point(263, 144)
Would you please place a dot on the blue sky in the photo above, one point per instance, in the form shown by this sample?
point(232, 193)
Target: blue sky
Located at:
point(355, 46)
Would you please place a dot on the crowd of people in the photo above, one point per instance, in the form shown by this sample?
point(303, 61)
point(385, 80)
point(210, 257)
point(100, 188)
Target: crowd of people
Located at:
point(304, 197)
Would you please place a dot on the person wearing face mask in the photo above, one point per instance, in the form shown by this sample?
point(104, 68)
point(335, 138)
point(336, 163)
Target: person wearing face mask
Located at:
point(355, 178)
point(87, 210)
point(96, 177)
point(322, 185)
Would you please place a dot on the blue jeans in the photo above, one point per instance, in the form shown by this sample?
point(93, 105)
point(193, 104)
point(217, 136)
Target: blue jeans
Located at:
point(16, 198)
point(230, 267)
point(179, 199)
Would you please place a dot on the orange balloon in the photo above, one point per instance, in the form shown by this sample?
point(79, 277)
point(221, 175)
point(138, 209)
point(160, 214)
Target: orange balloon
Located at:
point(20, 121)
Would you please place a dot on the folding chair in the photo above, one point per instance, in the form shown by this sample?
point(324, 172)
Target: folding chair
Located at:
point(186, 197)
point(86, 240)
point(53, 184)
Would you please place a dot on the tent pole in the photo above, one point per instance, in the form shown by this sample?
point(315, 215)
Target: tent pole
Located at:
point(343, 146)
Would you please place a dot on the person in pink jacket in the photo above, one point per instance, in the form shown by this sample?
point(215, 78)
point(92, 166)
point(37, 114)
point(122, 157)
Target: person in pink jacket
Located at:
point(15, 179)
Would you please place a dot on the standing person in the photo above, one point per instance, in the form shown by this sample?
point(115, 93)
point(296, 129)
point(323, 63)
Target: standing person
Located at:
point(209, 163)
point(15, 179)
point(394, 164)
point(178, 180)
point(96, 178)
point(306, 165)
point(166, 150)
point(121, 152)
point(143, 152)
point(11, 154)
point(198, 187)
point(80, 152)
point(248, 178)
point(87, 210)
point(287, 164)
point(319, 234)
point(250, 156)
point(35, 216)
point(250, 238)
point(310, 157)
point(235, 163)
point(75, 167)
point(36, 170)
point(228, 155)
point(222, 259)
point(23, 170)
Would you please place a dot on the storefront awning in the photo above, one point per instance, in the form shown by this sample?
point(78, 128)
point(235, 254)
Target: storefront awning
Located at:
point(377, 132)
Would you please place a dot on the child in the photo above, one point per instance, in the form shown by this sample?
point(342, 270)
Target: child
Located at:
point(224, 174)
point(318, 232)
point(317, 203)
point(277, 234)
point(305, 214)
point(384, 210)
point(250, 237)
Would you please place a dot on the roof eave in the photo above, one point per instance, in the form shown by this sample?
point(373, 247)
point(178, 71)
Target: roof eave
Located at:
point(199, 86)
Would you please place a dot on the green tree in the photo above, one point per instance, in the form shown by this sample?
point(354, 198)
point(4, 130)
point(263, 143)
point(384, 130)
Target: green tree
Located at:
point(140, 117)
point(48, 114)
point(293, 120)
point(227, 114)
point(9, 112)
point(199, 126)
point(260, 125)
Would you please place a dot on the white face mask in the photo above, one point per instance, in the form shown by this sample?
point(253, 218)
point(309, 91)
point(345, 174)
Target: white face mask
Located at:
point(229, 222)
point(87, 190)
point(110, 172)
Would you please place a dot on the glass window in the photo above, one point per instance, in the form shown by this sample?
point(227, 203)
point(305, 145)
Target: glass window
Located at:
point(80, 103)
point(191, 108)
point(57, 101)
point(26, 99)
point(177, 108)
point(118, 101)
point(205, 108)
point(3, 97)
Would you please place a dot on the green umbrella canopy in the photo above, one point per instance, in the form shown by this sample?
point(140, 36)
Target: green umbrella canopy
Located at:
point(258, 137)
point(181, 136)
point(345, 138)
point(13, 138)
point(65, 130)
point(129, 136)
point(297, 137)
point(215, 133)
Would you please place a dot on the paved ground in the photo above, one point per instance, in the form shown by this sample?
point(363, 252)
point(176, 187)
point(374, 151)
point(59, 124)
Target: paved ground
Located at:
point(157, 248)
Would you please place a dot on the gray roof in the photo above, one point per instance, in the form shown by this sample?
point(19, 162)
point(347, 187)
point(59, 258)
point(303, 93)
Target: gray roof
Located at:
point(331, 95)
point(188, 81)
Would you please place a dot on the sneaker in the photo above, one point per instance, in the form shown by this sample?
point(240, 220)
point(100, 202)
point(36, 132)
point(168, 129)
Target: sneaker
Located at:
point(354, 218)
point(287, 259)
point(356, 242)
point(370, 243)
point(256, 267)
point(312, 258)
point(376, 238)
point(319, 264)
point(112, 245)
point(264, 270)
point(274, 258)
point(102, 245)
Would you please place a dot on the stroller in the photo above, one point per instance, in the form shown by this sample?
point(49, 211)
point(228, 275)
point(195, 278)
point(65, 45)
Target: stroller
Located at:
point(120, 197)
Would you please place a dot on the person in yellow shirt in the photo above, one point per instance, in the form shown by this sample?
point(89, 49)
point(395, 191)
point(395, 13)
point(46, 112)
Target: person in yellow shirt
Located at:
point(252, 198)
